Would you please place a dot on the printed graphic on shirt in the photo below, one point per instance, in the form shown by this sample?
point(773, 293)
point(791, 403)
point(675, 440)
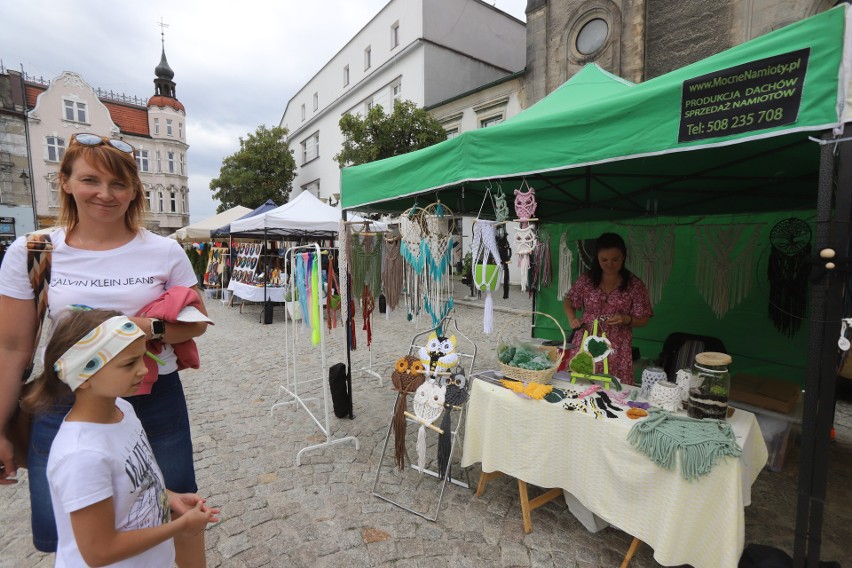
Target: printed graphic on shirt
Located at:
point(151, 505)
point(101, 282)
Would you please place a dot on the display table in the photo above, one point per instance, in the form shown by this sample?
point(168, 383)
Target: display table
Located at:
point(700, 523)
point(255, 293)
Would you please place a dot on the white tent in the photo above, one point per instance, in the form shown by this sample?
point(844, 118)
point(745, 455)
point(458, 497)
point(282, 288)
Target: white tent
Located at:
point(304, 216)
point(200, 231)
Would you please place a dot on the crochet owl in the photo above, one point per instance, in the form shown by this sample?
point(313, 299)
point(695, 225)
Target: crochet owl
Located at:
point(439, 352)
point(456, 395)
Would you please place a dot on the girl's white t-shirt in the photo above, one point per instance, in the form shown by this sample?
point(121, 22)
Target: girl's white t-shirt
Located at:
point(126, 278)
point(91, 462)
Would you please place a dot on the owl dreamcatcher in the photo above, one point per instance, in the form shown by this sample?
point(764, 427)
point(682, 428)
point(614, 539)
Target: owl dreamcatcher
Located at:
point(407, 376)
point(525, 236)
point(428, 404)
point(455, 396)
point(788, 271)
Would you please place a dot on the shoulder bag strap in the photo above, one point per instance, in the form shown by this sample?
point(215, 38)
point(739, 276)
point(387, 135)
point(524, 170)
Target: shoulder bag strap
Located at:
point(39, 249)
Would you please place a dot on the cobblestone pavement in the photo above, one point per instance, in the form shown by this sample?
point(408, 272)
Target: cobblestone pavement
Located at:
point(322, 513)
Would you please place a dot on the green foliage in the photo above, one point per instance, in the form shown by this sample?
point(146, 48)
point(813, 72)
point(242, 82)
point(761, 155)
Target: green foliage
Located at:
point(378, 135)
point(263, 168)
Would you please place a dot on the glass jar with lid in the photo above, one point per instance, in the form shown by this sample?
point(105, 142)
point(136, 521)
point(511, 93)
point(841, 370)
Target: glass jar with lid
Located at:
point(708, 393)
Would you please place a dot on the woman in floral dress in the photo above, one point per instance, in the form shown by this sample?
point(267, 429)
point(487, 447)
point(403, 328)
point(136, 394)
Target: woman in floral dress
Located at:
point(615, 297)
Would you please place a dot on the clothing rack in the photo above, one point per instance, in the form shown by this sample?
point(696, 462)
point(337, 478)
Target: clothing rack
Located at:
point(297, 385)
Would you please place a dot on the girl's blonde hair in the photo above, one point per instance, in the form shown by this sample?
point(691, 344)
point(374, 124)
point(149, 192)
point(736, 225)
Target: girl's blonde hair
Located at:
point(111, 160)
point(48, 389)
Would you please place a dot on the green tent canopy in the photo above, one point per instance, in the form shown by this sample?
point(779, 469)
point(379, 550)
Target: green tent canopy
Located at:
point(600, 147)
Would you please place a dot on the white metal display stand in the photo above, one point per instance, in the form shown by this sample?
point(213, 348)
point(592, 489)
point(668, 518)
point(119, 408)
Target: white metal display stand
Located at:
point(466, 349)
point(294, 382)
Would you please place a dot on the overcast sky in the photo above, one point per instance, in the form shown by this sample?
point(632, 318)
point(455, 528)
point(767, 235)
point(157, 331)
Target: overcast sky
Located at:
point(236, 64)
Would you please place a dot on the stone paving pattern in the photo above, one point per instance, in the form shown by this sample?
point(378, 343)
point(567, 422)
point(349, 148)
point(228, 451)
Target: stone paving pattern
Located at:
point(322, 513)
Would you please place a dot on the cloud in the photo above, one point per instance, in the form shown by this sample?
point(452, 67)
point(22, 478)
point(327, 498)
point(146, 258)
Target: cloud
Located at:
point(236, 64)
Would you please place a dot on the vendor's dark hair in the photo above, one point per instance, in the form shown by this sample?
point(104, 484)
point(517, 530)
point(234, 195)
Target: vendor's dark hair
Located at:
point(47, 389)
point(609, 241)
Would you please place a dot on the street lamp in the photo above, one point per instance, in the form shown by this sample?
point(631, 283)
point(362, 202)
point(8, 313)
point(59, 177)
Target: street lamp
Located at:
point(25, 177)
point(334, 199)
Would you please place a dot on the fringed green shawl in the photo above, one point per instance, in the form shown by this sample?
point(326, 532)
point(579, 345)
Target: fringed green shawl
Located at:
point(700, 442)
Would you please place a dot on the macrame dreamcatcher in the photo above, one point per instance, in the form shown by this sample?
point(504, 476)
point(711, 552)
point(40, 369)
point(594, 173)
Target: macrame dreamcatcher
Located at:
point(392, 272)
point(455, 396)
point(428, 404)
point(566, 259)
point(788, 271)
point(407, 376)
point(438, 224)
point(483, 246)
point(651, 257)
point(725, 264)
point(412, 251)
point(525, 237)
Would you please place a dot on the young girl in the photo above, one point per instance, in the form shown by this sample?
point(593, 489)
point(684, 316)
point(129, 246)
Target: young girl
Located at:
point(110, 501)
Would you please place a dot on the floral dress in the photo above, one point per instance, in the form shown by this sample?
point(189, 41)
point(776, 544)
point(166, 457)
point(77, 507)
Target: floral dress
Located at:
point(634, 301)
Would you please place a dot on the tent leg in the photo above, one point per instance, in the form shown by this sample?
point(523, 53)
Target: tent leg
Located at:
point(826, 306)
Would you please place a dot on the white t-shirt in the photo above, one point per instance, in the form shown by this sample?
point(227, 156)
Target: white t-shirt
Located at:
point(91, 462)
point(125, 279)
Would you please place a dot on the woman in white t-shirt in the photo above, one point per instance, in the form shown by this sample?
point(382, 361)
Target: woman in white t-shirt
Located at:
point(111, 504)
point(102, 258)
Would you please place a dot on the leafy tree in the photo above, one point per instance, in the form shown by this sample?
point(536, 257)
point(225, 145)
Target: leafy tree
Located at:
point(263, 168)
point(379, 135)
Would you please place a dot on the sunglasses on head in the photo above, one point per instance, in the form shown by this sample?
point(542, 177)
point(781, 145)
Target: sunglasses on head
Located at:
point(87, 139)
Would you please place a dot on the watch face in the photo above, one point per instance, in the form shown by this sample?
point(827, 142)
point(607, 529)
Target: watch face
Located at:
point(158, 327)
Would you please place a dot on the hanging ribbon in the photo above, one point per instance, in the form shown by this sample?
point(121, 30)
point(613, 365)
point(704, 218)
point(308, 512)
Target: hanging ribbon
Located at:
point(315, 301)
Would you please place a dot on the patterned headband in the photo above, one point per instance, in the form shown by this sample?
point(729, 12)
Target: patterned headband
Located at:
point(96, 349)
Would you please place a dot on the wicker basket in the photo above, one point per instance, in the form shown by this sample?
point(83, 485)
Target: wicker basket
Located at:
point(542, 376)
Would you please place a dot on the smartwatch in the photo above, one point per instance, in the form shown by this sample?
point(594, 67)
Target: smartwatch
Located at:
point(158, 329)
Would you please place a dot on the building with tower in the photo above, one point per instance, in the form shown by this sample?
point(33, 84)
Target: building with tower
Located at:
point(55, 110)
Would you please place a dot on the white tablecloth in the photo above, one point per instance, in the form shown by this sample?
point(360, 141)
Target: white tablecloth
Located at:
point(700, 523)
point(255, 293)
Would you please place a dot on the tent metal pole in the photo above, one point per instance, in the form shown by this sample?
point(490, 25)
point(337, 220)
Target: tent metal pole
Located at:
point(826, 306)
point(344, 295)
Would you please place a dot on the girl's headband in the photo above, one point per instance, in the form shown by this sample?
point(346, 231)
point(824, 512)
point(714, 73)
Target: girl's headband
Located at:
point(96, 349)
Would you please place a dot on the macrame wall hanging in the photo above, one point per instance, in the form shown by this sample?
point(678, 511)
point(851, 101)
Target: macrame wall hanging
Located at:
point(541, 275)
point(725, 264)
point(788, 271)
point(438, 225)
point(347, 305)
point(566, 259)
point(652, 257)
point(333, 296)
point(525, 236)
point(483, 246)
point(367, 275)
point(392, 272)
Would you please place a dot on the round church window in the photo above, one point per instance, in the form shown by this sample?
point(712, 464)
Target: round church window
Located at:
point(592, 36)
